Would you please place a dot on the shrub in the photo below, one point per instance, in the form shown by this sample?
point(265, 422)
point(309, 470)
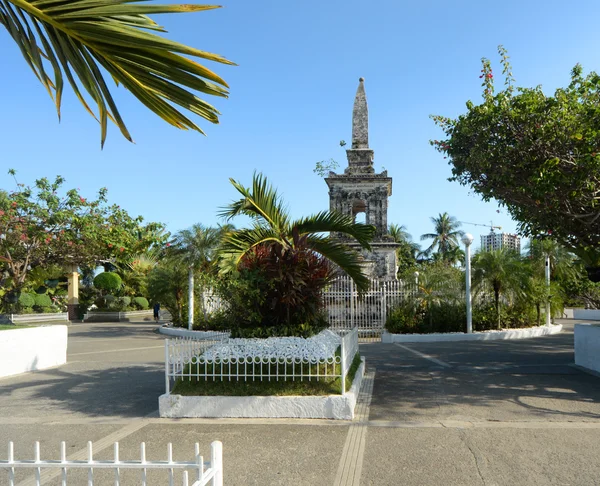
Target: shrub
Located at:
point(108, 281)
point(26, 299)
point(43, 301)
point(125, 301)
point(141, 303)
point(404, 319)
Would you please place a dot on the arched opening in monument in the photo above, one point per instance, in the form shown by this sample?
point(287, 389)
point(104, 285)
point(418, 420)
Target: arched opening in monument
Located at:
point(359, 211)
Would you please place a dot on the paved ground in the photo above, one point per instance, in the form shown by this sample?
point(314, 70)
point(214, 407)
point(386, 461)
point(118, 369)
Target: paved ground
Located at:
point(489, 413)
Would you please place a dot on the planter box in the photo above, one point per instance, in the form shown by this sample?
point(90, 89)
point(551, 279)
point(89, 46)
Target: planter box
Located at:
point(526, 333)
point(30, 349)
point(339, 407)
point(587, 346)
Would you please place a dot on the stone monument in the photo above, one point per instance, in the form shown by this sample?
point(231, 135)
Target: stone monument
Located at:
point(360, 190)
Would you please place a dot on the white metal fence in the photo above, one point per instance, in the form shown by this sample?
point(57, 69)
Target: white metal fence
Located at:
point(273, 359)
point(205, 473)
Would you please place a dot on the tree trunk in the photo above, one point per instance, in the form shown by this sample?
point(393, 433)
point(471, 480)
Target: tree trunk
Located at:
point(497, 299)
point(191, 298)
point(539, 313)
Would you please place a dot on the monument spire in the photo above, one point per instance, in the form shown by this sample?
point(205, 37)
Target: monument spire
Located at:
point(360, 118)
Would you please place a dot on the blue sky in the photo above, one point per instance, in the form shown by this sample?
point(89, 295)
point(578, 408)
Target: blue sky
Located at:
point(291, 103)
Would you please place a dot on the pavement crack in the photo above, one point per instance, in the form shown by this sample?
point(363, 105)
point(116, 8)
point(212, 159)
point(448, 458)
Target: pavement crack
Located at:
point(477, 457)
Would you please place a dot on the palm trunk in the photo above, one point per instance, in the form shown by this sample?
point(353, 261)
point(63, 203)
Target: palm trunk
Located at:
point(497, 299)
point(191, 298)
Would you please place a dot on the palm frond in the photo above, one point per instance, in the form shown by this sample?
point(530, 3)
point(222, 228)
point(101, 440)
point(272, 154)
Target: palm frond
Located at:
point(344, 257)
point(260, 202)
point(326, 221)
point(78, 38)
point(237, 243)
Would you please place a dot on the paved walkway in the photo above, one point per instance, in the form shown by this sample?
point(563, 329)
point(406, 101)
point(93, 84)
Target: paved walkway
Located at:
point(489, 413)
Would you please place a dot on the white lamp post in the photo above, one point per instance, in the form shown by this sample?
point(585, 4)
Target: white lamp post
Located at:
point(548, 290)
point(467, 239)
point(416, 278)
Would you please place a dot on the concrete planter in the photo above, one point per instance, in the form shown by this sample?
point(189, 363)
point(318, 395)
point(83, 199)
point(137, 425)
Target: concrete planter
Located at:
point(30, 349)
point(587, 346)
point(530, 332)
point(326, 407)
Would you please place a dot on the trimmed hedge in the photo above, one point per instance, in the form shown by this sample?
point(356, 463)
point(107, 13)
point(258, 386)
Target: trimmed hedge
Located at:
point(108, 281)
point(26, 299)
point(141, 303)
point(43, 300)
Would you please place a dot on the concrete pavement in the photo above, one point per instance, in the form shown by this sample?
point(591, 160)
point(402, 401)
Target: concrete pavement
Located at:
point(489, 413)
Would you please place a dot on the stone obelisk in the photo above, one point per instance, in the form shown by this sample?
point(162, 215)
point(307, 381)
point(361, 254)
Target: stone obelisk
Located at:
point(360, 190)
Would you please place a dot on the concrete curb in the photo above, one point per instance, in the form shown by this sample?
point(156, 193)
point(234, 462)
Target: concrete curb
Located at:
point(477, 336)
point(182, 333)
point(336, 407)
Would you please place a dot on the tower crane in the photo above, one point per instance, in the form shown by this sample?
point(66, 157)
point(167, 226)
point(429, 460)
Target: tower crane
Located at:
point(490, 226)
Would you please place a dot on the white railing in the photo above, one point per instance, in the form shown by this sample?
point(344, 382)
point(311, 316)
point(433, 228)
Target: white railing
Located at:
point(50, 317)
point(206, 473)
point(325, 357)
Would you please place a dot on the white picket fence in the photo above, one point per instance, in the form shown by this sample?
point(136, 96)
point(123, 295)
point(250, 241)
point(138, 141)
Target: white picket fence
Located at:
point(46, 470)
point(274, 359)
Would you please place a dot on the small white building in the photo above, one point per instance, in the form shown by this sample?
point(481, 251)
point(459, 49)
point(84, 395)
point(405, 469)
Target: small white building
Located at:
point(495, 241)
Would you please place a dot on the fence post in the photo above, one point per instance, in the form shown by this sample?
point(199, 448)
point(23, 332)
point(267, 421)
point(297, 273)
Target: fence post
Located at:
point(383, 304)
point(167, 391)
point(351, 303)
point(343, 364)
point(216, 462)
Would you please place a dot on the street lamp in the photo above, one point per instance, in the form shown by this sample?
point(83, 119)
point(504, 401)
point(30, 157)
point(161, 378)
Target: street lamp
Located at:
point(416, 274)
point(548, 290)
point(467, 239)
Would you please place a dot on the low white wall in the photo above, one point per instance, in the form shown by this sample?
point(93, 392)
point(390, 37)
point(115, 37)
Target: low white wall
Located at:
point(529, 332)
point(586, 314)
point(587, 346)
point(34, 348)
point(326, 407)
point(182, 332)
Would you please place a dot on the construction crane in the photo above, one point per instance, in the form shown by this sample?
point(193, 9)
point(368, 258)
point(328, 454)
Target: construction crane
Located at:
point(490, 226)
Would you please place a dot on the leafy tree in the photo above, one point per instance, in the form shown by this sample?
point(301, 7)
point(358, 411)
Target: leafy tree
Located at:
point(196, 247)
point(40, 227)
point(537, 155)
point(445, 236)
point(501, 270)
point(290, 259)
point(167, 284)
point(408, 250)
point(79, 39)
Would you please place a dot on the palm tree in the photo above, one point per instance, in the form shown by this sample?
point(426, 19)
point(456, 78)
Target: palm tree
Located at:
point(79, 39)
point(407, 251)
point(562, 261)
point(196, 247)
point(445, 235)
point(292, 257)
point(502, 270)
point(272, 226)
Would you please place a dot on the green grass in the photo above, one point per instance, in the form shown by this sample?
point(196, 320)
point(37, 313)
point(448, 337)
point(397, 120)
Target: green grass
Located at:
point(201, 387)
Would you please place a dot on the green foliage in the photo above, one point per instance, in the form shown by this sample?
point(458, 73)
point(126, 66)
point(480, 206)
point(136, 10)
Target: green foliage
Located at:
point(86, 39)
point(141, 303)
point(26, 299)
point(537, 155)
point(445, 238)
point(43, 301)
point(125, 301)
point(167, 284)
point(47, 230)
point(108, 281)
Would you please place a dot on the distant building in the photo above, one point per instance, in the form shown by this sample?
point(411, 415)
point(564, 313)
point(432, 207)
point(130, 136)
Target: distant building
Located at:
point(495, 241)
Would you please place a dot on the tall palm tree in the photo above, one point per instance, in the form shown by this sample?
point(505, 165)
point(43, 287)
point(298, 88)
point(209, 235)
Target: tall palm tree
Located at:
point(445, 235)
point(562, 261)
point(273, 227)
point(196, 247)
point(78, 39)
point(502, 270)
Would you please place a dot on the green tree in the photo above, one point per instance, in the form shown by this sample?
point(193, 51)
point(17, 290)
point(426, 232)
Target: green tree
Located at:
point(80, 39)
point(42, 226)
point(408, 250)
point(289, 259)
point(536, 154)
point(445, 236)
point(501, 270)
point(196, 247)
point(167, 283)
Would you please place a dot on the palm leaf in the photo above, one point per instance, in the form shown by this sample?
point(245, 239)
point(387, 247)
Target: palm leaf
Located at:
point(79, 37)
point(339, 223)
point(344, 257)
point(237, 243)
